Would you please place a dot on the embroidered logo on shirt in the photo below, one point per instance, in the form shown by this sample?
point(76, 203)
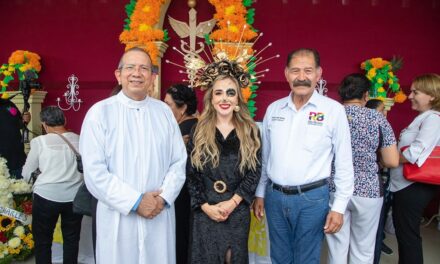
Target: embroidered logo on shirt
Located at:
point(278, 118)
point(316, 118)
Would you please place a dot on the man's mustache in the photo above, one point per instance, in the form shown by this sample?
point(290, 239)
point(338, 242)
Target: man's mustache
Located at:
point(307, 83)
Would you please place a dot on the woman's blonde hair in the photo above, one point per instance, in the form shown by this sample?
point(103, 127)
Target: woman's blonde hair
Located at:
point(205, 148)
point(430, 85)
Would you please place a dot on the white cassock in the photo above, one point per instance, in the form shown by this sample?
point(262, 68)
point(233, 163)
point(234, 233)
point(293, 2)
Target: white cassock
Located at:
point(128, 148)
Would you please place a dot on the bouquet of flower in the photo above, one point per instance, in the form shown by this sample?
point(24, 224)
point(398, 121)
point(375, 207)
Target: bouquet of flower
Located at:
point(16, 240)
point(19, 62)
point(139, 29)
point(384, 82)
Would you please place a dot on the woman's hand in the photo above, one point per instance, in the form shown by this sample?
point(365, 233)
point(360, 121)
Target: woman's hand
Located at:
point(228, 205)
point(216, 213)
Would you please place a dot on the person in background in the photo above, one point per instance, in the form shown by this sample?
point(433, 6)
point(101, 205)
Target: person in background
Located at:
point(223, 169)
point(380, 246)
point(11, 143)
point(411, 198)
point(55, 187)
point(370, 134)
point(377, 105)
point(183, 103)
point(302, 133)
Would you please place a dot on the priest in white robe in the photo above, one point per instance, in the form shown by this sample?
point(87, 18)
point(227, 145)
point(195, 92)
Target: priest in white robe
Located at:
point(134, 164)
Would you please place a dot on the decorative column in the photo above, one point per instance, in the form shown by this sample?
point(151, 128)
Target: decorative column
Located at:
point(162, 47)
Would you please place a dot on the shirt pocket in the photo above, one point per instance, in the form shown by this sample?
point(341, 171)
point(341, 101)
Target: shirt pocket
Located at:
point(316, 138)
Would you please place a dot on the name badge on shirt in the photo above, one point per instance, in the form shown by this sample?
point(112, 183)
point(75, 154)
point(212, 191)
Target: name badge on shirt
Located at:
point(316, 118)
point(278, 118)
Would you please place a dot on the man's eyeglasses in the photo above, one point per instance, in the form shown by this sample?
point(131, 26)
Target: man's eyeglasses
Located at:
point(130, 68)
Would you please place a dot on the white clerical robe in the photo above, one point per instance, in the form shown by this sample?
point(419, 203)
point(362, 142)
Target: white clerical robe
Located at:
point(128, 148)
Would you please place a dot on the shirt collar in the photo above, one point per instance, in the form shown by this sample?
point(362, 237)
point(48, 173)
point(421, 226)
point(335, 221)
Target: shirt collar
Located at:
point(130, 102)
point(314, 100)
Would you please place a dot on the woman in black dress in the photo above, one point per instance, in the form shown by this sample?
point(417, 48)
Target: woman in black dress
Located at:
point(183, 102)
point(223, 169)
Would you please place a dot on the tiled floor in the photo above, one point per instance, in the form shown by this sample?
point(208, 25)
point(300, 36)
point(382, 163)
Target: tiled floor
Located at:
point(431, 247)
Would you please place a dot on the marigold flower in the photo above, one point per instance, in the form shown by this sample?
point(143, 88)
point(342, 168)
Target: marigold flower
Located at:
point(400, 97)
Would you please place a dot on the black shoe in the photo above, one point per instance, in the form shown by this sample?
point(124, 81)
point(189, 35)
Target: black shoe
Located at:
point(386, 249)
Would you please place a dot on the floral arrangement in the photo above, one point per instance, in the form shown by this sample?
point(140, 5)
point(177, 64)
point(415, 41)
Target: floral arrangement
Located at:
point(16, 240)
point(139, 29)
point(384, 82)
point(235, 19)
point(232, 17)
point(19, 62)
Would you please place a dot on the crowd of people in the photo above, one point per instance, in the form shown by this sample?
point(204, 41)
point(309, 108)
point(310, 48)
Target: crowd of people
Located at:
point(176, 186)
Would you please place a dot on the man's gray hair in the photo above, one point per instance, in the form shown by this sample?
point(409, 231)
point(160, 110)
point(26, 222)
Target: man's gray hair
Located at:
point(121, 64)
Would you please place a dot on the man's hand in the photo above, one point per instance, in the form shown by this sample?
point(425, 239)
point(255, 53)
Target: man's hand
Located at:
point(333, 223)
point(159, 206)
point(26, 117)
point(148, 204)
point(215, 212)
point(258, 207)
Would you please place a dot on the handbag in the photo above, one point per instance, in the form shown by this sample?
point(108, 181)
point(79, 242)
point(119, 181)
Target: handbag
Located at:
point(82, 203)
point(34, 176)
point(429, 172)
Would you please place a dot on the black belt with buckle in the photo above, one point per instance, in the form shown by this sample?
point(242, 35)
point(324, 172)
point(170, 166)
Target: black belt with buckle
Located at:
point(290, 190)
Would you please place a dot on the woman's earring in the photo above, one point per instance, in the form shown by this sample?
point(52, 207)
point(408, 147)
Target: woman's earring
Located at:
point(236, 108)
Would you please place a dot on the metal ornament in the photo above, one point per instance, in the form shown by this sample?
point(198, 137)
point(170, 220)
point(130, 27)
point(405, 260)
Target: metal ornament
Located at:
point(220, 186)
point(71, 95)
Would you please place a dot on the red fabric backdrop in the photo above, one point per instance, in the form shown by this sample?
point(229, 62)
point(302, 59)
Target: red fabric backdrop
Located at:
point(81, 37)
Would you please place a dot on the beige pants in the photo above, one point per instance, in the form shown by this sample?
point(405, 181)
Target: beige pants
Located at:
point(355, 242)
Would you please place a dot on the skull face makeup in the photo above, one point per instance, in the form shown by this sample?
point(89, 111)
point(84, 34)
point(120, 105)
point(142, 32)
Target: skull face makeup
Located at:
point(224, 97)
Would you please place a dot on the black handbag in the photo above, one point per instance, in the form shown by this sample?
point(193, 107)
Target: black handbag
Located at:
point(82, 203)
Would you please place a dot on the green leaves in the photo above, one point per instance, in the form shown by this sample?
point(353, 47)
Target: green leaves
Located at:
point(247, 3)
point(129, 8)
point(250, 16)
point(166, 37)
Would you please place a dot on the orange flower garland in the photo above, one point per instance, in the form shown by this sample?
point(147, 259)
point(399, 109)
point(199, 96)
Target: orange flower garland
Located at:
point(235, 12)
point(142, 33)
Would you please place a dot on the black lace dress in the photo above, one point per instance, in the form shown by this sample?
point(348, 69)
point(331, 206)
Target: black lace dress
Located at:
point(211, 240)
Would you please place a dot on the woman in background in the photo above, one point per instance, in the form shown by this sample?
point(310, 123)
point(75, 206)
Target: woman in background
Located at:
point(370, 133)
point(183, 103)
point(54, 188)
point(384, 173)
point(411, 198)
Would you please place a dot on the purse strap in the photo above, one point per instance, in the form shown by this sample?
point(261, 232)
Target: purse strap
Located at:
point(70, 144)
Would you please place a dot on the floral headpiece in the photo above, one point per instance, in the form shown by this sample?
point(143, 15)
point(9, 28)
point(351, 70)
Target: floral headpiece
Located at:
point(237, 60)
point(229, 51)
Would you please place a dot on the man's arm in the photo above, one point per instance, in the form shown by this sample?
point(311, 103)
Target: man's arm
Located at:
point(105, 186)
point(258, 204)
point(344, 173)
point(175, 176)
